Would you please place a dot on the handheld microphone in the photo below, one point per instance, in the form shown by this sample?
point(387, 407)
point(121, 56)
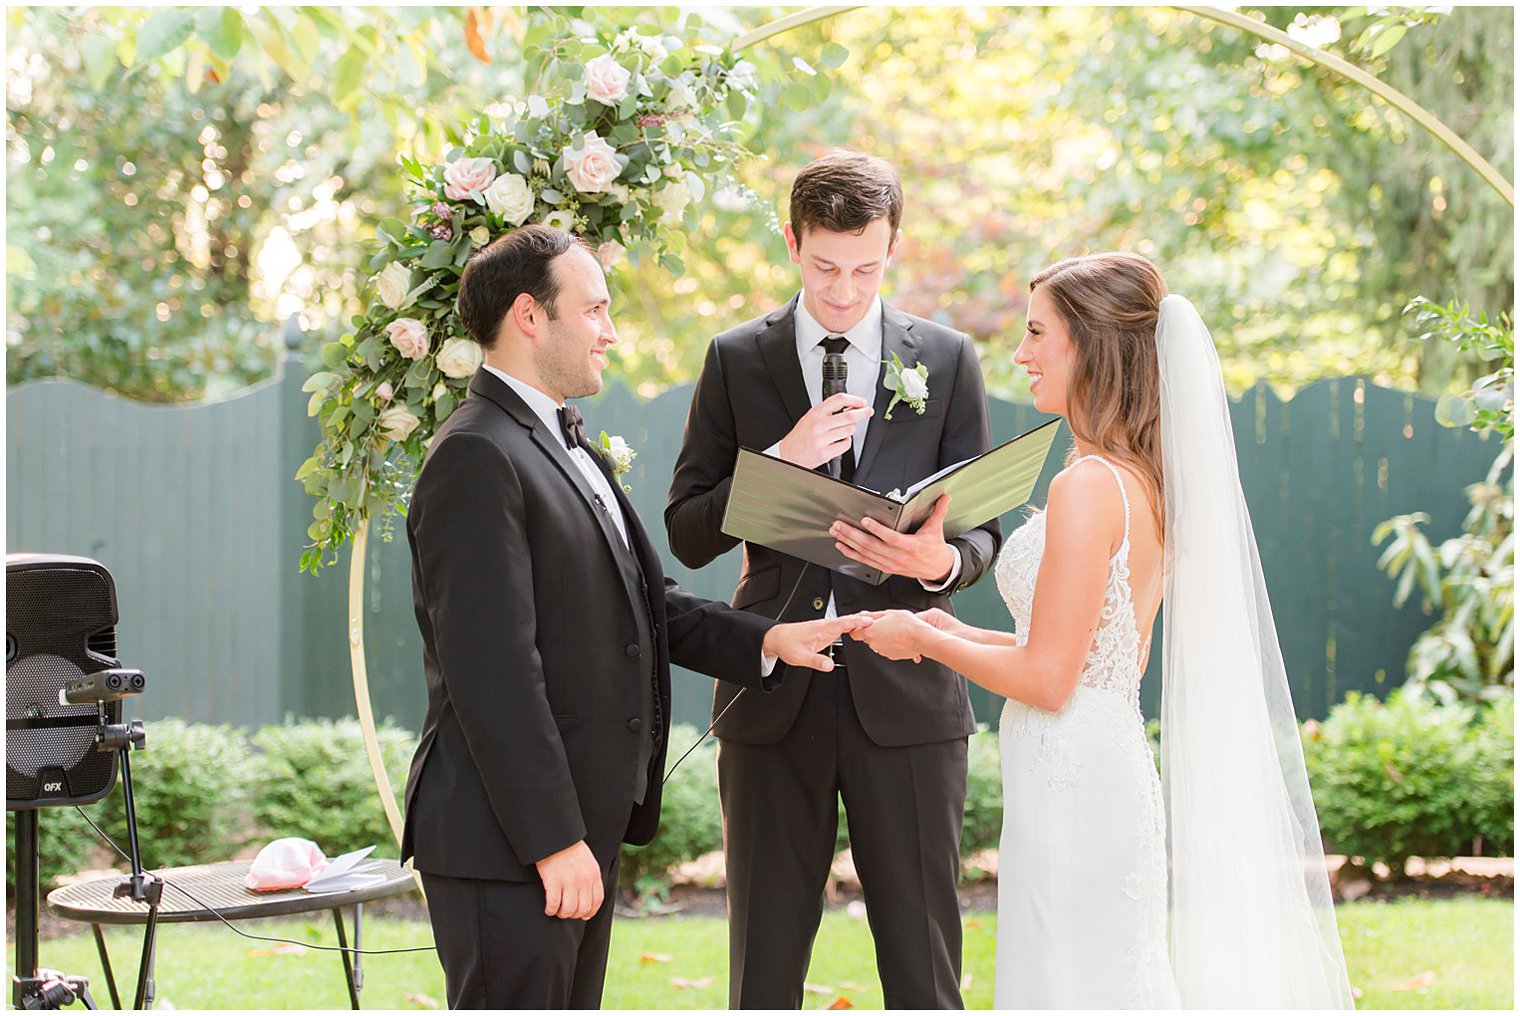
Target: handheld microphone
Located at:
point(835, 374)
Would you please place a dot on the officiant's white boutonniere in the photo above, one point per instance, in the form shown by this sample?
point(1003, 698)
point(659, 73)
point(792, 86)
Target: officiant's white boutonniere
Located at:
point(618, 455)
point(907, 384)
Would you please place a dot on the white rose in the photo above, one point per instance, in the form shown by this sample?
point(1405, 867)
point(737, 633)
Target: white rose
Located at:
point(392, 285)
point(672, 200)
point(622, 454)
point(459, 358)
point(681, 95)
point(914, 386)
point(409, 336)
point(397, 423)
point(467, 179)
point(610, 253)
point(594, 167)
point(480, 236)
point(561, 219)
point(606, 80)
point(649, 45)
point(439, 391)
point(743, 76)
point(509, 197)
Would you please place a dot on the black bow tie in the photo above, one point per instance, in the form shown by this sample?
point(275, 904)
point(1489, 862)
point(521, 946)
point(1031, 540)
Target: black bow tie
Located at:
point(572, 427)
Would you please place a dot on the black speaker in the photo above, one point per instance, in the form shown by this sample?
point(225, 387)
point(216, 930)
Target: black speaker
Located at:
point(60, 624)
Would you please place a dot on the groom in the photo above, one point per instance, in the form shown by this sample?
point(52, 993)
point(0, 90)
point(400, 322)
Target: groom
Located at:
point(888, 737)
point(548, 630)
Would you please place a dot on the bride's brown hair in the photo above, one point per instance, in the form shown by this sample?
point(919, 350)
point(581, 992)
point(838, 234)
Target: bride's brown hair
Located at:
point(1110, 303)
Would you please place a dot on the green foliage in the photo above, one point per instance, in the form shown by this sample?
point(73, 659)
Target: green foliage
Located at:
point(1469, 653)
point(621, 138)
point(312, 779)
point(190, 787)
point(1410, 777)
point(691, 819)
point(983, 824)
point(1489, 404)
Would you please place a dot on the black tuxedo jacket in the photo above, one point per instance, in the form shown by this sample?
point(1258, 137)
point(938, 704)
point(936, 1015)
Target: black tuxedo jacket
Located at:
point(751, 394)
point(541, 651)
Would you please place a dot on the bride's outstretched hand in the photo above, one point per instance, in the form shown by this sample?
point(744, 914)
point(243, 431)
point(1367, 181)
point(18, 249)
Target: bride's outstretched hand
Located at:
point(895, 634)
point(944, 621)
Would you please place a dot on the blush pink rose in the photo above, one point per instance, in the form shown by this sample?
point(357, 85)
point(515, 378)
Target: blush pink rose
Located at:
point(384, 392)
point(606, 80)
point(409, 336)
point(594, 167)
point(467, 179)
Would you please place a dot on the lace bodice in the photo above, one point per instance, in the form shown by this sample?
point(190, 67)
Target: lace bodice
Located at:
point(1113, 660)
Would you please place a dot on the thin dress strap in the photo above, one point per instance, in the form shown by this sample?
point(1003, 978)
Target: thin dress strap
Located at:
point(1119, 479)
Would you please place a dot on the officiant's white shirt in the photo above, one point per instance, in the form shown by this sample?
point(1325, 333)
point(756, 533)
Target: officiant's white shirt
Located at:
point(863, 358)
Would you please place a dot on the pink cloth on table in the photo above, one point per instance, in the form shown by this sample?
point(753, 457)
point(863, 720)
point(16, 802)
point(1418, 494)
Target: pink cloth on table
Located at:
point(287, 863)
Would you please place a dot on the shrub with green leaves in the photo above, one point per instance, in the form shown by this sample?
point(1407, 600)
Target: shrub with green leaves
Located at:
point(1395, 779)
point(1491, 800)
point(691, 820)
point(984, 794)
point(312, 779)
point(190, 784)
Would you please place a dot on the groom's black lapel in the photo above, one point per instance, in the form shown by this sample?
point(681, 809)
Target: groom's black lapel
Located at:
point(498, 391)
point(896, 337)
point(778, 348)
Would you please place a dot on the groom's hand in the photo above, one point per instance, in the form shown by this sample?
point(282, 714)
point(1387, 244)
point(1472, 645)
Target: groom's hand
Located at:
point(826, 431)
point(922, 555)
point(572, 883)
point(800, 643)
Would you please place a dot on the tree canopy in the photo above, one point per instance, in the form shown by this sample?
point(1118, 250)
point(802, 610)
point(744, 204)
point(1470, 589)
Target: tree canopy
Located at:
point(183, 180)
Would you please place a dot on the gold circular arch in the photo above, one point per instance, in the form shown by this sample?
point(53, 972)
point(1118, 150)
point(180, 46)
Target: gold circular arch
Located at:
point(1392, 96)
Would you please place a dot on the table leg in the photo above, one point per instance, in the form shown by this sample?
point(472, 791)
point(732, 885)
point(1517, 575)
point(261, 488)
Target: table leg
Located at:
point(105, 962)
point(348, 964)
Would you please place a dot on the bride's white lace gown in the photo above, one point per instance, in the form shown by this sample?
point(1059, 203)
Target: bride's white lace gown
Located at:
point(1082, 895)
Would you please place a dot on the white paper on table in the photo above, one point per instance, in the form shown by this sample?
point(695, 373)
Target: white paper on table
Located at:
point(344, 873)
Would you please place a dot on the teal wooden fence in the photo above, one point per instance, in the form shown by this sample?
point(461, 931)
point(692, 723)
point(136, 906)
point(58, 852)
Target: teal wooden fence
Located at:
point(195, 511)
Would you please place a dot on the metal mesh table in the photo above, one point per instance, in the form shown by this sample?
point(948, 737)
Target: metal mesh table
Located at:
point(193, 893)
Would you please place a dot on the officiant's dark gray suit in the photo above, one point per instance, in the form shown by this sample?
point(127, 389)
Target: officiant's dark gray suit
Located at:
point(888, 737)
point(547, 642)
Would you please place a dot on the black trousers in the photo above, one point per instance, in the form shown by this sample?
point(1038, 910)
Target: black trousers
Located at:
point(500, 951)
point(780, 816)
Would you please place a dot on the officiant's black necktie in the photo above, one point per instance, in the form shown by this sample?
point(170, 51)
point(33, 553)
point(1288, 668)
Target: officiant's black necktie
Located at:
point(838, 344)
point(572, 427)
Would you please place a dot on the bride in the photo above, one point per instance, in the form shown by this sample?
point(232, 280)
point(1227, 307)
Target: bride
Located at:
point(1205, 887)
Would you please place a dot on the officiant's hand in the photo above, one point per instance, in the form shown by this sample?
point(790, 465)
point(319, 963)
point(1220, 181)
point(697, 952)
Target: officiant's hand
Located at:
point(572, 883)
point(826, 431)
point(801, 643)
point(895, 634)
point(922, 555)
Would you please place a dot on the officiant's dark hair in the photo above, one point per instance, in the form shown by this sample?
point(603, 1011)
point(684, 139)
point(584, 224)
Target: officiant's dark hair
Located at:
point(1110, 303)
point(844, 192)
point(519, 262)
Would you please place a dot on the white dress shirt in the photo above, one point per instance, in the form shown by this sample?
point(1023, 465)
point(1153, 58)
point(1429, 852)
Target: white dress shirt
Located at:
point(863, 358)
point(547, 410)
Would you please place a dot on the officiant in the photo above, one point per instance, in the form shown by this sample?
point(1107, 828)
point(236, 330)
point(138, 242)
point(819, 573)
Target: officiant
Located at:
point(888, 737)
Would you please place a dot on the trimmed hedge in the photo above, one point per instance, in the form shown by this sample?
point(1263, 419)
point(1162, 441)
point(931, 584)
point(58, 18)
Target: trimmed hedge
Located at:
point(312, 779)
point(1411, 777)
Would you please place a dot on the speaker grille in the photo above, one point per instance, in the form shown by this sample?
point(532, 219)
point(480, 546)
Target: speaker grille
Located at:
point(58, 618)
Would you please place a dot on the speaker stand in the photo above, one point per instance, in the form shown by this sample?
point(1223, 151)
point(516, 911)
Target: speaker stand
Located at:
point(138, 886)
point(33, 987)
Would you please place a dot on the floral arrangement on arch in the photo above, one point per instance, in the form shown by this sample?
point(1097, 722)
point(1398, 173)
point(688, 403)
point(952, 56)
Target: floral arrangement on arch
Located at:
point(637, 131)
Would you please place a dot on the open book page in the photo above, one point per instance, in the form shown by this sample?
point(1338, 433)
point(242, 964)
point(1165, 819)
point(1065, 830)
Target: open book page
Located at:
point(345, 873)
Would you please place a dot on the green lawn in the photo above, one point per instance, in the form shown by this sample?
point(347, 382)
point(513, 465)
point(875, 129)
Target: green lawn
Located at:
point(1446, 954)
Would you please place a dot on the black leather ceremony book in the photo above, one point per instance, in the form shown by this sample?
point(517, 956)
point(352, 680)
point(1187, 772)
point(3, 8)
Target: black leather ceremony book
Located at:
point(790, 508)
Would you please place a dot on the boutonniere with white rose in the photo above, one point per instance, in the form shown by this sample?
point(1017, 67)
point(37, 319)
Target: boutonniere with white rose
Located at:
point(907, 384)
point(618, 455)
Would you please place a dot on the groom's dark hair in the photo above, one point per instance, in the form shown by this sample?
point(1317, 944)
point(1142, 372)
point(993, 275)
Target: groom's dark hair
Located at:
point(502, 270)
point(844, 192)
